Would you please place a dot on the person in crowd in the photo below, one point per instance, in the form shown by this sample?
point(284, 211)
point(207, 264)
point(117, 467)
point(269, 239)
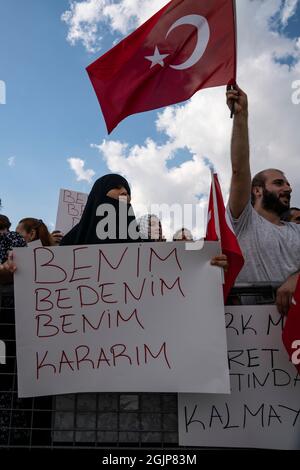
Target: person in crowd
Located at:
point(292, 215)
point(27, 230)
point(108, 216)
point(4, 224)
point(150, 228)
point(8, 241)
point(56, 237)
point(34, 229)
point(271, 247)
point(184, 235)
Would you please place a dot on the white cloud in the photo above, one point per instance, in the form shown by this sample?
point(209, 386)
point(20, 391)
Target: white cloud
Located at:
point(288, 10)
point(11, 161)
point(128, 14)
point(83, 20)
point(86, 19)
point(77, 165)
point(2, 92)
point(154, 184)
point(202, 125)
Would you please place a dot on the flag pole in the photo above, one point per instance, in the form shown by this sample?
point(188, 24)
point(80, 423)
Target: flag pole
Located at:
point(232, 86)
point(235, 38)
point(215, 205)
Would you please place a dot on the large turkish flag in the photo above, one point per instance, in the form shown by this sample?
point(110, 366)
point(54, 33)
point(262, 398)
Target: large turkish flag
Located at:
point(187, 45)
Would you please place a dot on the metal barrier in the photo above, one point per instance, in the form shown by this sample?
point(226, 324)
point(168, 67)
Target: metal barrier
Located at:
point(91, 420)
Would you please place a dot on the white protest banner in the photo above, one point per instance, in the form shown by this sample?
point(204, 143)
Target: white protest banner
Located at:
point(124, 317)
point(263, 410)
point(35, 243)
point(70, 208)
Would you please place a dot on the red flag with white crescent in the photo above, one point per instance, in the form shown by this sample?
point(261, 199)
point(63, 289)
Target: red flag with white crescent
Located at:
point(186, 46)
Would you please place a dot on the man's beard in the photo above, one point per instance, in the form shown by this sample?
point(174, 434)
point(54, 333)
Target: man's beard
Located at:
point(271, 202)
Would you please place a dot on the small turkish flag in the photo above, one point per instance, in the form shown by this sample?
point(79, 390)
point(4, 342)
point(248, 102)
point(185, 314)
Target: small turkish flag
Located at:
point(186, 46)
point(291, 330)
point(219, 228)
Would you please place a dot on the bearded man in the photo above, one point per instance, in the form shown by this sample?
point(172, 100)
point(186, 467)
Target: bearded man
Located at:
point(271, 247)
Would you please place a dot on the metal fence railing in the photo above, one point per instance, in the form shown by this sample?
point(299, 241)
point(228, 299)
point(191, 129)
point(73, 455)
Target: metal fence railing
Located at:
point(90, 420)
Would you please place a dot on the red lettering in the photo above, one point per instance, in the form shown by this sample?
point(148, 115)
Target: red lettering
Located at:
point(117, 354)
point(138, 297)
point(77, 268)
point(81, 198)
point(84, 301)
point(105, 314)
point(153, 253)
point(47, 324)
point(68, 197)
point(44, 299)
point(72, 210)
point(85, 357)
point(65, 360)
point(152, 288)
point(102, 353)
point(134, 314)
point(52, 269)
point(64, 324)
point(162, 349)
point(103, 296)
point(61, 299)
point(163, 283)
point(40, 364)
point(75, 221)
point(138, 263)
point(101, 254)
point(137, 355)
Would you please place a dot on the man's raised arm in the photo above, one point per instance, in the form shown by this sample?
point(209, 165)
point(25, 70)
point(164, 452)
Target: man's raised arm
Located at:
point(240, 189)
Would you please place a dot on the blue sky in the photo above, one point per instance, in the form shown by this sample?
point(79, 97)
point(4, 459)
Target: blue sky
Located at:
point(52, 114)
point(51, 111)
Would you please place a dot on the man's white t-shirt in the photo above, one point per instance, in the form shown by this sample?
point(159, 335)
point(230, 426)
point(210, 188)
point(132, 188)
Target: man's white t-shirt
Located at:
point(271, 252)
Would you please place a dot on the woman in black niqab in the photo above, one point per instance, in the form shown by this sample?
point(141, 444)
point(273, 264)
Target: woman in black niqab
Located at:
point(85, 232)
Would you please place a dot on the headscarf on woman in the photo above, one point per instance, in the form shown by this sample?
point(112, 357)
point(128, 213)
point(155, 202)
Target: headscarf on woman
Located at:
point(150, 228)
point(84, 233)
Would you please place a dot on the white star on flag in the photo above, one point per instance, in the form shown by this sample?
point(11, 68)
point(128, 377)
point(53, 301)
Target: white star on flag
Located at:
point(156, 58)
